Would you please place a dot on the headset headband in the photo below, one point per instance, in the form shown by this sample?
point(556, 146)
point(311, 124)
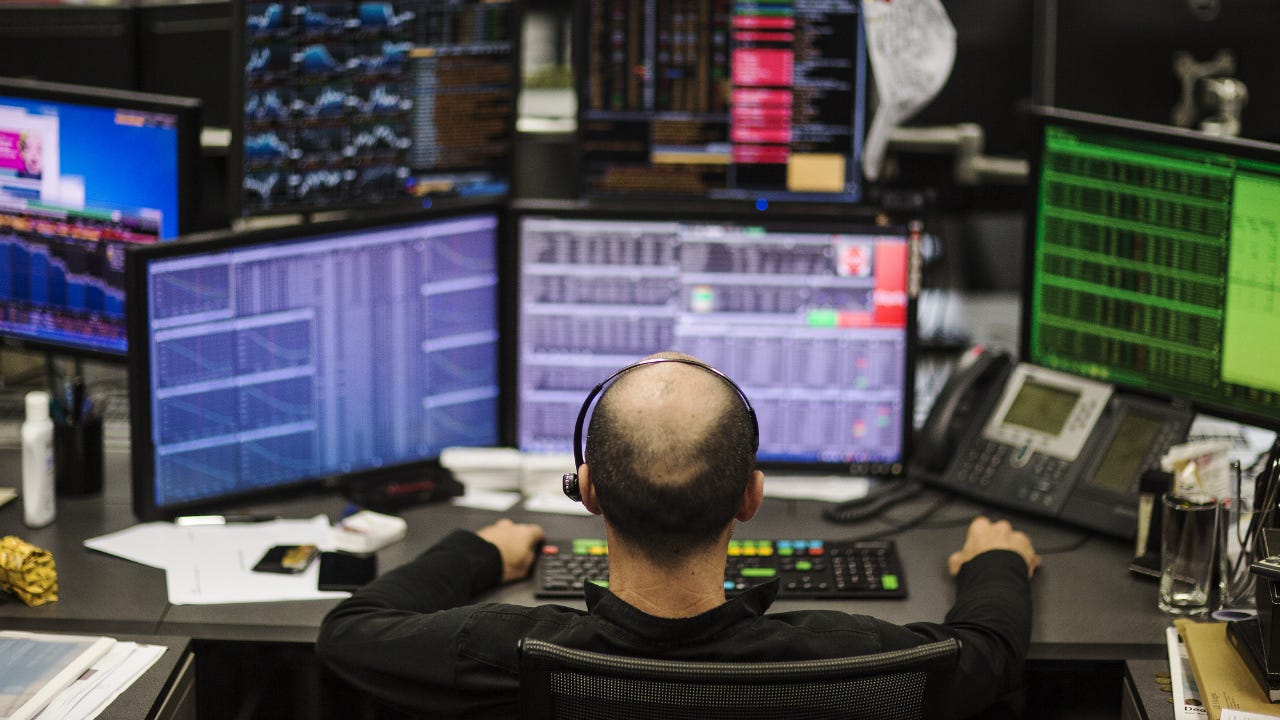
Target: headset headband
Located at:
point(569, 481)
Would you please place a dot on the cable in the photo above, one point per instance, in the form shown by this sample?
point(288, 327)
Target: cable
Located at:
point(1070, 547)
point(942, 502)
point(872, 504)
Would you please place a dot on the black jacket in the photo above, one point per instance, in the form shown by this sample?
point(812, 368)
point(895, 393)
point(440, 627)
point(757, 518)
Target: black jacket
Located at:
point(412, 638)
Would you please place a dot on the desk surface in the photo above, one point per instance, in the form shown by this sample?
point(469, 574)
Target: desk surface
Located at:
point(1087, 605)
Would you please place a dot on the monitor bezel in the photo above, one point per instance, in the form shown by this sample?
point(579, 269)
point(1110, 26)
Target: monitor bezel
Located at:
point(236, 122)
point(1040, 119)
point(911, 216)
point(142, 449)
point(188, 112)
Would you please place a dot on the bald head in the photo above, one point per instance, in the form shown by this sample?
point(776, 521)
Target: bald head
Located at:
point(670, 449)
point(666, 411)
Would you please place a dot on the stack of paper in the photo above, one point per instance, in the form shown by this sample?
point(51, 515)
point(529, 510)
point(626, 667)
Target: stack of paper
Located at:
point(67, 677)
point(1226, 685)
point(1186, 696)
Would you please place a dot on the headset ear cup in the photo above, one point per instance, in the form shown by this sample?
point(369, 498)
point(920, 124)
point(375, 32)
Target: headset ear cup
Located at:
point(569, 483)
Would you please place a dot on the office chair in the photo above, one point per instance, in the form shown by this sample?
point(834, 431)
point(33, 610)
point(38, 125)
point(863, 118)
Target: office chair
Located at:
point(565, 684)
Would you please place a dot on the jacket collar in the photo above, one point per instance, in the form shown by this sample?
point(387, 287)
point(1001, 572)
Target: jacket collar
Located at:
point(748, 605)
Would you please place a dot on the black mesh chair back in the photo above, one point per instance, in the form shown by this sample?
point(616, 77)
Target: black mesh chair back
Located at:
point(567, 684)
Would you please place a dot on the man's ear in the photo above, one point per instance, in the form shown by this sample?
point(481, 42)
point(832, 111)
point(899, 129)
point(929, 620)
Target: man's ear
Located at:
point(589, 499)
point(752, 497)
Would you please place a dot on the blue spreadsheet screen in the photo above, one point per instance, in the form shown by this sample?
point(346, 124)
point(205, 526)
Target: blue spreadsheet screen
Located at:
point(281, 362)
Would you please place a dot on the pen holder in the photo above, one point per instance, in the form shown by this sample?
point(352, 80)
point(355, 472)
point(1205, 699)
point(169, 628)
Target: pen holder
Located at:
point(77, 457)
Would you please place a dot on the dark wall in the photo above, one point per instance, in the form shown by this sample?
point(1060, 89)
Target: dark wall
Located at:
point(1116, 58)
point(83, 45)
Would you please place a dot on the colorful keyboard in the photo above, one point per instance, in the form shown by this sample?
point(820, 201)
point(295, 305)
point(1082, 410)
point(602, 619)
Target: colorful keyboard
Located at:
point(811, 569)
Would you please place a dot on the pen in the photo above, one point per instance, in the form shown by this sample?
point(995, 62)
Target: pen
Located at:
point(229, 519)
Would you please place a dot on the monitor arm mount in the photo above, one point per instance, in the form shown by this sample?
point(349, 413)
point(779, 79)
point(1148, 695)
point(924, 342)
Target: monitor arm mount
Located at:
point(1221, 96)
point(965, 141)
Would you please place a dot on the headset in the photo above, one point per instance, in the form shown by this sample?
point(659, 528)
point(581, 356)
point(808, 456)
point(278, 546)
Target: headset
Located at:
point(569, 481)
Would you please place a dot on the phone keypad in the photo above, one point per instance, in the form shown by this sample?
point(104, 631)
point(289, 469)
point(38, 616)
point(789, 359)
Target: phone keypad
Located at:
point(978, 465)
point(1037, 484)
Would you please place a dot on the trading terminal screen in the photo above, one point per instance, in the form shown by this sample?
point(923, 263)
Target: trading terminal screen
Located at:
point(268, 360)
point(1155, 262)
point(83, 174)
point(374, 101)
point(728, 100)
point(813, 322)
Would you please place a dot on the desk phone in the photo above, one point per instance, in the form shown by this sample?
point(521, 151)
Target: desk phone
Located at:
point(1048, 443)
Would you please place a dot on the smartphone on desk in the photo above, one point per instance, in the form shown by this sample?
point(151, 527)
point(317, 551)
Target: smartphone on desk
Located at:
point(346, 571)
point(1029, 438)
point(287, 559)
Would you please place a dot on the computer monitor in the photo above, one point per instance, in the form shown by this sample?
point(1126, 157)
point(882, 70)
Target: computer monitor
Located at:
point(327, 353)
point(735, 101)
point(84, 173)
point(378, 102)
point(1153, 257)
point(813, 318)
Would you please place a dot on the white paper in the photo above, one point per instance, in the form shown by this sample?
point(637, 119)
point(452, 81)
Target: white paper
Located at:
point(912, 46)
point(149, 544)
point(1186, 696)
point(37, 666)
point(210, 564)
point(496, 500)
point(1247, 442)
point(554, 502)
point(217, 563)
point(1204, 464)
point(110, 676)
point(833, 488)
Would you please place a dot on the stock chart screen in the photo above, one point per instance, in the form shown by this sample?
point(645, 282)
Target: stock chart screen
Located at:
point(374, 102)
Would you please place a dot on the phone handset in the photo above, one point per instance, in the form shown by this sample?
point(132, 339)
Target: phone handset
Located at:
point(974, 383)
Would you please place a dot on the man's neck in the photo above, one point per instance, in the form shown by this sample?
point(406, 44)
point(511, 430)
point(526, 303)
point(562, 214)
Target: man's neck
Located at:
point(687, 585)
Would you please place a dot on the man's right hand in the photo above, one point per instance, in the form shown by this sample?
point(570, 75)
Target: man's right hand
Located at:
point(985, 535)
point(516, 543)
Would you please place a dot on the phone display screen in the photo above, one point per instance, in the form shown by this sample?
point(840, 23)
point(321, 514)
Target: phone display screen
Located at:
point(1123, 460)
point(1041, 407)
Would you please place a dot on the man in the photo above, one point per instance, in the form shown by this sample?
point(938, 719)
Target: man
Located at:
point(670, 466)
